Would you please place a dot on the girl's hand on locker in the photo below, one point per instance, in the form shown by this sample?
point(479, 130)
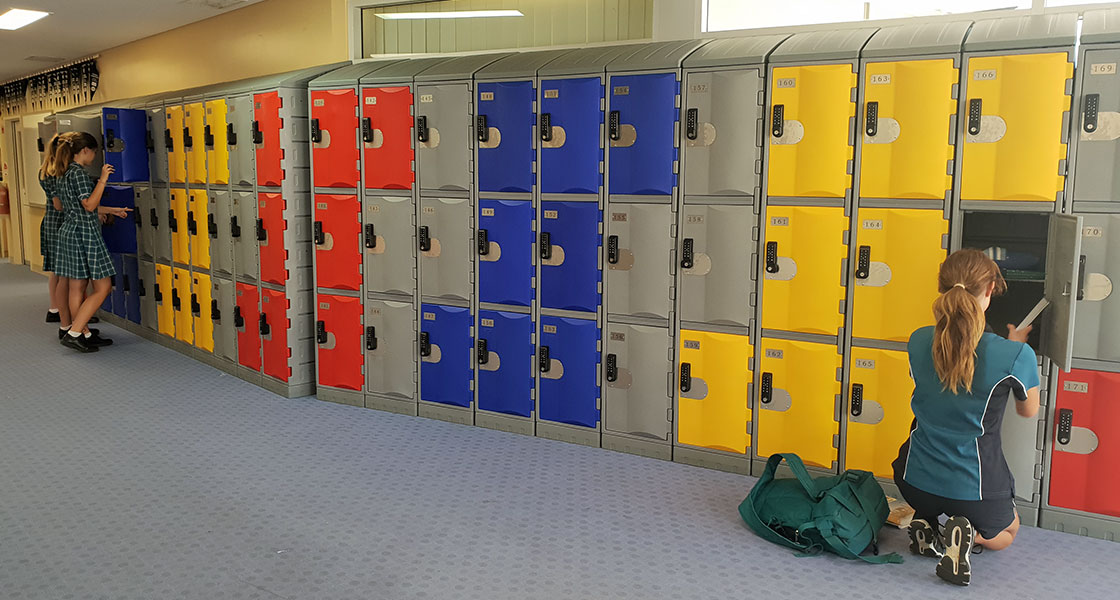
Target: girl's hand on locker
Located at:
point(106, 170)
point(117, 211)
point(1018, 335)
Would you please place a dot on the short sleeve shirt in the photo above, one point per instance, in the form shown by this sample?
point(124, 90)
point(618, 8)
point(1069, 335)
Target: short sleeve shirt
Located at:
point(50, 188)
point(955, 450)
point(76, 186)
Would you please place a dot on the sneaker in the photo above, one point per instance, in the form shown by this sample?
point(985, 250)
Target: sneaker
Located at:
point(80, 343)
point(924, 541)
point(95, 339)
point(955, 566)
point(53, 317)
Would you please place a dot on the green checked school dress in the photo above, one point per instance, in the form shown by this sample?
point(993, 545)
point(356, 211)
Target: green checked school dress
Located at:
point(81, 249)
point(52, 221)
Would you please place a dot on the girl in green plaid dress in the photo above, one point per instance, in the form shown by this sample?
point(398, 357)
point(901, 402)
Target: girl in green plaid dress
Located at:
point(59, 311)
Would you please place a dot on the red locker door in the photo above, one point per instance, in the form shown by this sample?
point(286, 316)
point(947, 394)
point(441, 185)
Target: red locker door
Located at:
point(387, 138)
point(339, 337)
point(334, 138)
point(270, 236)
point(274, 334)
point(266, 137)
point(1086, 443)
point(246, 318)
point(338, 252)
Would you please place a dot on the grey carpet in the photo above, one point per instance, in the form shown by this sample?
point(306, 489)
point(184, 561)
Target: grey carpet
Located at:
point(139, 473)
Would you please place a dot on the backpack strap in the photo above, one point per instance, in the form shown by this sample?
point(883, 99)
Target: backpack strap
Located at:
point(795, 465)
point(824, 527)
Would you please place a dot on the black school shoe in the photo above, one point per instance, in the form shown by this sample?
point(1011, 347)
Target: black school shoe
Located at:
point(80, 343)
point(95, 339)
point(924, 540)
point(53, 317)
point(956, 567)
point(93, 331)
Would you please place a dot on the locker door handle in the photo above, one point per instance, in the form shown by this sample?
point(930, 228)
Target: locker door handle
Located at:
point(42, 148)
point(151, 143)
point(212, 226)
point(544, 360)
point(207, 137)
point(168, 141)
point(264, 328)
point(767, 388)
point(612, 367)
point(238, 320)
point(425, 239)
point(687, 254)
point(692, 123)
point(422, 129)
point(316, 132)
point(546, 245)
point(1065, 426)
point(172, 221)
point(367, 130)
point(857, 399)
point(320, 332)
point(483, 130)
point(175, 302)
point(614, 126)
point(771, 257)
point(231, 135)
point(110, 140)
point(778, 120)
point(153, 215)
point(686, 378)
point(872, 125)
point(215, 314)
point(188, 141)
point(371, 237)
point(371, 338)
point(1081, 278)
point(136, 216)
point(546, 127)
point(425, 344)
point(142, 291)
point(1092, 107)
point(126, 285)
point(258, 135)
point(234, 228)
point(262, 235)
point(975, 111)
point(483, 352)
point(320, 237)
point(157, 293)
point(863, 263)
point(192, 226)
point(196, 308)
point(612, 249)
point(483, 242)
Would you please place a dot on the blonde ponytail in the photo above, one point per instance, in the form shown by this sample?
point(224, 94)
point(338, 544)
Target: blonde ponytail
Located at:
point(68, 145)
point(48, 158)
point(959, 318)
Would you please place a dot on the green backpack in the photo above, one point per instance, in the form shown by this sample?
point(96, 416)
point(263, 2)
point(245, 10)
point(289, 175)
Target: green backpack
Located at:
point(842, 513)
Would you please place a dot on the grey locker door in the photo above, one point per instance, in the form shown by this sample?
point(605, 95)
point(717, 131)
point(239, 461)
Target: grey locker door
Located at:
point(639, 250)
point(445, 266)
point(245, 250)
point(445, 159)
point(636, 398)
point(148, 299)
point(390, 264)
point(716, 258)
point(221, 244)
point(1098, 144)
point(146, 233)
point(239, 116)
point(1020, 446)
point(157, 156)
point(720, 132)
point(47, 130)
point(1063, 259)
point(225, 334)
point(1098, 307)
point(391, 366)
point(161, 202)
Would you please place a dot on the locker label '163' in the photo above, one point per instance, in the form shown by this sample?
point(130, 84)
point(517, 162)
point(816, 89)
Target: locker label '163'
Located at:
point(548, 328)
point(880, 78)
point(773, 353)
point(371, 100)
point(426, 99)
point(1076, 386)
point(1103, 69)
point(325, 305)
point(691, 345)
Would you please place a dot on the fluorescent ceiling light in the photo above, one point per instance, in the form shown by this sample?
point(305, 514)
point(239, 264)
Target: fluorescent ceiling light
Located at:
point(17, 17)
point(452, 14)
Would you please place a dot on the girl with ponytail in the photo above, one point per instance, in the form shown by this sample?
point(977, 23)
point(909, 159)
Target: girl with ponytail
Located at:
point(59, 311)
point(964, 375)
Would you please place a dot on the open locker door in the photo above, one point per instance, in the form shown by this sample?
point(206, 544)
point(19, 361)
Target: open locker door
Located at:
point(1063, 265)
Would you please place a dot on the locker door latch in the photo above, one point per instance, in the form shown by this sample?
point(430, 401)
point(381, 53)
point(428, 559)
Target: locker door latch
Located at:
point(196, 308)
point(212, 226)
point(188, 141)
point(234, 228)
point(175, 302)
point(110, 140)
point(127, 283)
point(857, 399)
point(1081, 278)
point(264, 328)
point(425, 344)
point(546, 245)
point(614, 127)
point(320, 332)
point(771, 257)
point(371, 237)
point(422, 129)
point(1092, 107)
point(157, 293)
point(767, 388)
point(612, 249)
point(207, 137)
point(483, 242)
point(778, 120)
point(367, 130)
point(612, 367)
point(231, 135)
point(1065, 426)
point(172, 221)
point(238, 320)
point(168, 141)
point(192, 225)
point(142, 292)
point(872, 124)
point(42, 148)
point(151, 143)
point(975, 111)
point(544, 359)
point(863, 263)
point(483, 352)
point(153, 217)
point(316, 132)
point(137, 216)
point(686, 377)
point(258, 135)
point(262, 235)
point(320, 237)
point(215, 314)
point(371, 338)
point(425, 239)
point(483, 130)
point(692, 123)
point(687, 254)
point(546, 127)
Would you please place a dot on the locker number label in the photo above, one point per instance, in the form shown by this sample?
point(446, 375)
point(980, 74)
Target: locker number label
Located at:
point(371, 100)
point(487, 212)
point(984, 75)
point(694, 219)
point(865, 363)
point(880, 79)
point(779, 221)
point(375, 312)
point(484, 96)
point(618, 217)
point(375, 209)
point(698, 88)
point(552, 94)
point(548, 328)
point(429, 316)
point(618, 337)
point(1103, 69)
point(325, 305)
point(691, 345)
point(428, 210)
point(318, 102)
point(621, 90)
point(771, 353)
point(487, 322)
point(1092, 232)
point(1076, 386)
point(786, 82)
point(322, 206)
point(426, 99)
point(876, 224)
point(551, 214)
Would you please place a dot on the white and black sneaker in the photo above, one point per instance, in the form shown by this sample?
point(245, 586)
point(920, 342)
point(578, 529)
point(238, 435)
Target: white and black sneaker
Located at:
point(955, 566)
point(924, 540)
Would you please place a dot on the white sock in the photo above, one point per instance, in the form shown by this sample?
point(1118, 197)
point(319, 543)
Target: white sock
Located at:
point(74, 334)
point(88, 334)
point(52, 310)
point(64, 327)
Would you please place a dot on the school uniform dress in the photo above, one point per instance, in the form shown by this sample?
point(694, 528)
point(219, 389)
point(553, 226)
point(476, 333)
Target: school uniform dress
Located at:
point(953, 462)
point(81, 249)
point(52, 222)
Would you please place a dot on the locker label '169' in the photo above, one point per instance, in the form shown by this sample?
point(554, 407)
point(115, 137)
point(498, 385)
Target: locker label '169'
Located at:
point(428, 316)
point(865, 363)
point(548, 328)
point(691, 345)
point(984, 75)
point(1076, 386)
point(1103, 69)
point(773, 353)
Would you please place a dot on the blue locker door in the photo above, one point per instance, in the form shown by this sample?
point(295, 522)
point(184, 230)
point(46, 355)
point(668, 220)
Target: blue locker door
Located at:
point(505, 363)
point(445, 353)
point(132, 288)
point(116, 297)
point(505, 246)
point(568, 364)
point(504, 129)
point(120, 234)
point(641, 128)
point(571, 142)
point(125, 132)
point(569, 251)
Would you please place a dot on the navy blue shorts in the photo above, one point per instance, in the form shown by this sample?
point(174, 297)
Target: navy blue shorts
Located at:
point(988, 517)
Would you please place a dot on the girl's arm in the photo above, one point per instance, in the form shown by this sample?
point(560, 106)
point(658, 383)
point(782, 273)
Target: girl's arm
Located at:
point(57, 203)
point(91, 202)
point(1028, 408)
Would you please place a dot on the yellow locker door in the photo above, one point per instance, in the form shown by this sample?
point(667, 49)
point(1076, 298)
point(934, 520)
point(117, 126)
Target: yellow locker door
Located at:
point(898, 254)
point(181, 302)
point(908, 110)
point(180, 227)
point(177, 155)
point(1015, 109)
point(195, 118)
point(217, 150)
point(713, 391)
point(802, 287)
point(201, 293)
point(796, 400)
point(165, 310)
point(810, 136)
point(198, 223)
point(879, 416)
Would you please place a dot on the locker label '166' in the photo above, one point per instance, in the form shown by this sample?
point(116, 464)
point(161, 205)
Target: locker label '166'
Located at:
point(984, 75)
